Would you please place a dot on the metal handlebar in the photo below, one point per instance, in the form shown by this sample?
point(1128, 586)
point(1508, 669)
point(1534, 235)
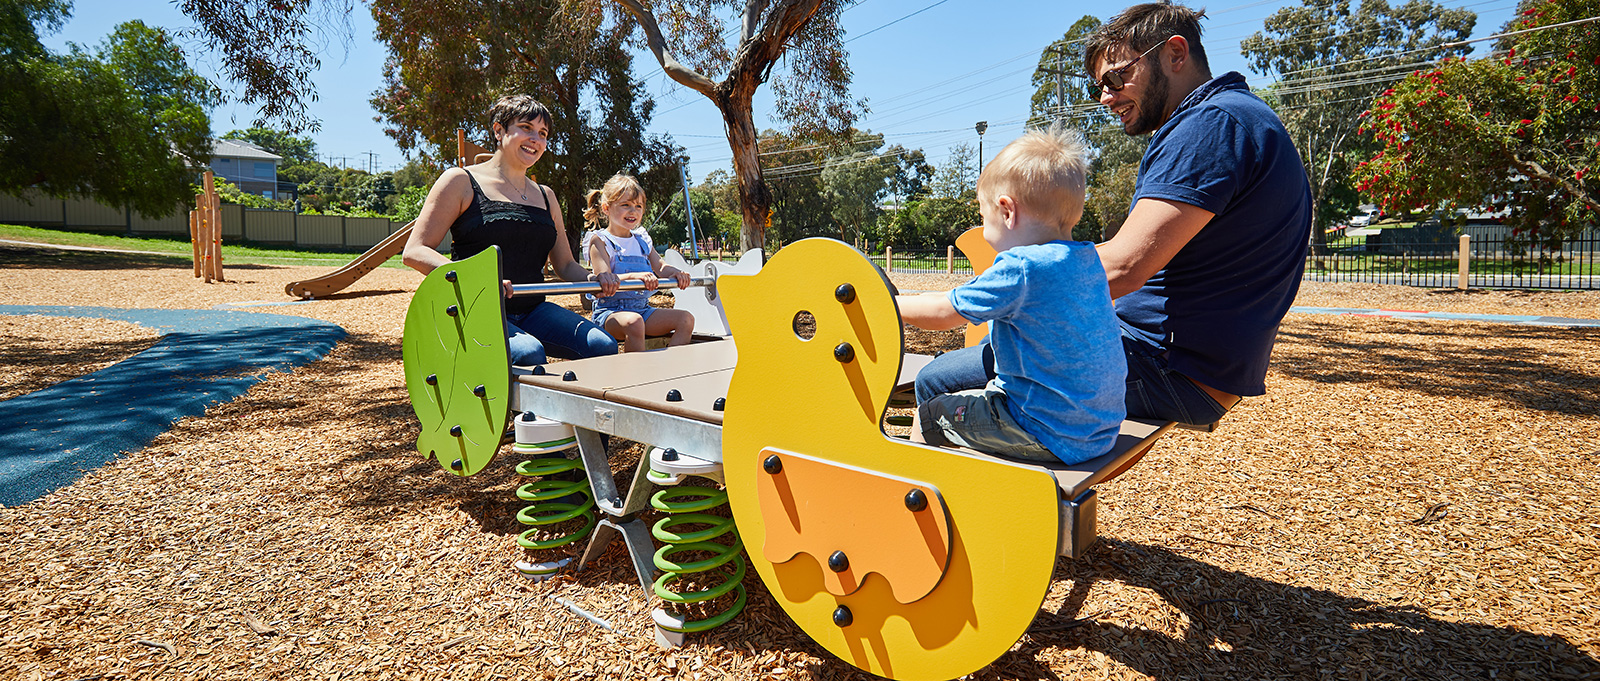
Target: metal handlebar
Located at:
point(555, 288)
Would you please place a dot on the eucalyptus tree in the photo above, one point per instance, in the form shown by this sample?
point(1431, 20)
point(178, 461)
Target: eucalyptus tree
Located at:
point(448, 62)
point(121, 125)
point(1330, 60)
point(811, 92)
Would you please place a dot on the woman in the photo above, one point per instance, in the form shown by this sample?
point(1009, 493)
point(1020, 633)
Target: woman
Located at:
point(495, 204)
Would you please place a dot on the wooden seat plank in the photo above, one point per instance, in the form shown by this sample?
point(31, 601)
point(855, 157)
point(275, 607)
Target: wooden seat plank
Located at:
point(1133, 441)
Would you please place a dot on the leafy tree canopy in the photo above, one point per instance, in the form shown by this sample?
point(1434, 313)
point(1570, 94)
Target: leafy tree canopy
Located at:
point(1331, 58)
point(1519, 130)
point(120, 125)
point(449, 62)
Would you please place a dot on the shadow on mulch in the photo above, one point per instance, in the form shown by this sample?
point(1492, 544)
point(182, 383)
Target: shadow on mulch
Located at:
point(46, 257)
point(29, 257)
point(1276, 630)
point(1445, 361)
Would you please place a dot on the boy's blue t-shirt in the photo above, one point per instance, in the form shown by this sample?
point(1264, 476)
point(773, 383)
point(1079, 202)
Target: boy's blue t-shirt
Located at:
point(1216, 306)
point(1057, 347)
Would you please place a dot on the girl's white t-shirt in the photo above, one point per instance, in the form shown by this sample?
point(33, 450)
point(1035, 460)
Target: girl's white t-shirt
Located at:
point(621, 245)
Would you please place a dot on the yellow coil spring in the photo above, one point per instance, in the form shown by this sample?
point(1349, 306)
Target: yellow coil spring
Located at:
point(684, 504)
point(543, 511)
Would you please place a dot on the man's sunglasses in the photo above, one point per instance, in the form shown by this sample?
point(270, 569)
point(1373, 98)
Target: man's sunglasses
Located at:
point(1112, 80)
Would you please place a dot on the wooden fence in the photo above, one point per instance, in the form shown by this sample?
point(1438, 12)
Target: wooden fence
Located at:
point(277, 227)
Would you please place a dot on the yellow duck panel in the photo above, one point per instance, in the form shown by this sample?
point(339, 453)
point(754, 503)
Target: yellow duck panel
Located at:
point(824, 398)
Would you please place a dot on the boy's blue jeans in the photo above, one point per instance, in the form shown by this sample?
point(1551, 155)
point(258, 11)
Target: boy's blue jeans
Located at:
point(1154, 390)
point(554, 330)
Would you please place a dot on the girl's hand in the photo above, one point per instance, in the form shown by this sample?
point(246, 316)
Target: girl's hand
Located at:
point(505, 286)
point(650, 281)
point(608, 283)
point(683, 279)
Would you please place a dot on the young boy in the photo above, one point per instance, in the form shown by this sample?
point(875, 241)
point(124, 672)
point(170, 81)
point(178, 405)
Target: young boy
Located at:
point(1058, 394)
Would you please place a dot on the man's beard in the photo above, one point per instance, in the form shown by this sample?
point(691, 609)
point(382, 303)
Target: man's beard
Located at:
point(1152, 106)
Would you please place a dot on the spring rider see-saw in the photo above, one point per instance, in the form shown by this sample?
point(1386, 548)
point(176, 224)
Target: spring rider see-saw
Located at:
point(905, 560)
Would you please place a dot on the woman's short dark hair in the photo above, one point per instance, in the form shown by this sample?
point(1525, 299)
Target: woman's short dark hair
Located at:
point(513, 109)
point(1141, 27)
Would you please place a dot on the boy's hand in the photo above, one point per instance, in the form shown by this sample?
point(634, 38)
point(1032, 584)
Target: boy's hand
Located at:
point(505, 287)
point(931, 311)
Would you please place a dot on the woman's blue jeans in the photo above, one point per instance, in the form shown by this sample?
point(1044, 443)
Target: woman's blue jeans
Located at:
point(1154, 390)
point(554, 331)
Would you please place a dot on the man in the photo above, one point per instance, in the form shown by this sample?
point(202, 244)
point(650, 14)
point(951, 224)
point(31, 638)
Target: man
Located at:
point(1210, 256)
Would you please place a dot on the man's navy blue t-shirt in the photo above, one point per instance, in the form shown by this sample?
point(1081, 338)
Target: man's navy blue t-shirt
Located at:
point(1216, 306)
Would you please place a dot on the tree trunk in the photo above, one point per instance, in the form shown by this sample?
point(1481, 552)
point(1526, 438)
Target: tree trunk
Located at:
point(755, 199)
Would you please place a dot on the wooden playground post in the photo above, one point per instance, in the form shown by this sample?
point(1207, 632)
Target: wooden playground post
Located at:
point(1463, 282)
point(888, 258)
point(949, 259)
point(205, 232)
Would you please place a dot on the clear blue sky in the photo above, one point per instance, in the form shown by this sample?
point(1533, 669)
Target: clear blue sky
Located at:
point(930, 70)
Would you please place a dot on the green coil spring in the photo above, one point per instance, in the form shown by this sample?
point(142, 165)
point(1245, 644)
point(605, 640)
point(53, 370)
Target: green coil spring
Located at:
point(684, 505)
point(544, 511)
point(549, 500)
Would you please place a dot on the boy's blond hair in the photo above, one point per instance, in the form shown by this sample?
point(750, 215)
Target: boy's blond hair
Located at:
point(1045, 172)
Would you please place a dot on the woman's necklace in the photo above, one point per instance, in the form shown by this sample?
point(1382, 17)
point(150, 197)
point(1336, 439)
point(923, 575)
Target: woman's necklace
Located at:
point(520, 191)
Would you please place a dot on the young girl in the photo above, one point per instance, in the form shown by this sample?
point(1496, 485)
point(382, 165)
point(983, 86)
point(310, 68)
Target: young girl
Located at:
point(623, 249)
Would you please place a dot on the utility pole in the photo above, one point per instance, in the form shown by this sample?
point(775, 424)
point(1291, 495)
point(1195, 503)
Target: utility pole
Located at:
point(688, 209)
point(1060, 72)
point(370, 158)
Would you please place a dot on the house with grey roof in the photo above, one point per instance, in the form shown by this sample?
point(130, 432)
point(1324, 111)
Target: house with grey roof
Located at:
point(252, 169)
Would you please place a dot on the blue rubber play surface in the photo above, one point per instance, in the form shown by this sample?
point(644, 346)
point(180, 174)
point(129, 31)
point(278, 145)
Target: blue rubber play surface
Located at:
point(51, 437)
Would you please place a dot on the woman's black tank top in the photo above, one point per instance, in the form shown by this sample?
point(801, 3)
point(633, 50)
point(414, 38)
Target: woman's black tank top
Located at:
point(525, 235)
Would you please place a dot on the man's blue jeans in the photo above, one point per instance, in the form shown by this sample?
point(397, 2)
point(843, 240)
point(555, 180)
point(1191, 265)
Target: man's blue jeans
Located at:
point(1154, 391)
point(555, 331)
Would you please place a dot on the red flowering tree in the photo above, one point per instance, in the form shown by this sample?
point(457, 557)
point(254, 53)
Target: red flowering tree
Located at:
point(1517, 131)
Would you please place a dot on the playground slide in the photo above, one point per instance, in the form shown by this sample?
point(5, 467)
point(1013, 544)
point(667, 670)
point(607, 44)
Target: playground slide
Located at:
point(339, 279)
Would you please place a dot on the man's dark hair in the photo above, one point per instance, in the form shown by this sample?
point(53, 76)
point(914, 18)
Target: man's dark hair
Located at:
point(513, 109)
point(1141, 27)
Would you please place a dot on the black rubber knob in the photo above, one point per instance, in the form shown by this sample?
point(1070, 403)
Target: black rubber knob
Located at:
point(480, 391)
point(916, 500)
point(669, 455)
point(569, 376)
point(720, 404)
point(539, 370)
point(455, 430)
point(838, 562)
point(772, 464)
point(456, 465)
point(845, 293)
point(452, 310)
point(674, 396)
point(432, 379)
point(842, 616)
point(844, 353)
point(450, 276)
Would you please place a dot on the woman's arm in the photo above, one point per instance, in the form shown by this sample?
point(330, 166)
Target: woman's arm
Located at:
point(561, 253)
point(449, 198)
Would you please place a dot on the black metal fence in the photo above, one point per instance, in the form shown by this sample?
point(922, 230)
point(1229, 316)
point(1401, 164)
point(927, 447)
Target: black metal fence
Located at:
point(1438, 264)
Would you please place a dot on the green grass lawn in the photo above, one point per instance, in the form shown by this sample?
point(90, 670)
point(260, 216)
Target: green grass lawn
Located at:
point(180, 248)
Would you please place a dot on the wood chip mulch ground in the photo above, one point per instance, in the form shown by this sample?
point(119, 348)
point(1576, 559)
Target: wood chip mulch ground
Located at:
point(1413, 499)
